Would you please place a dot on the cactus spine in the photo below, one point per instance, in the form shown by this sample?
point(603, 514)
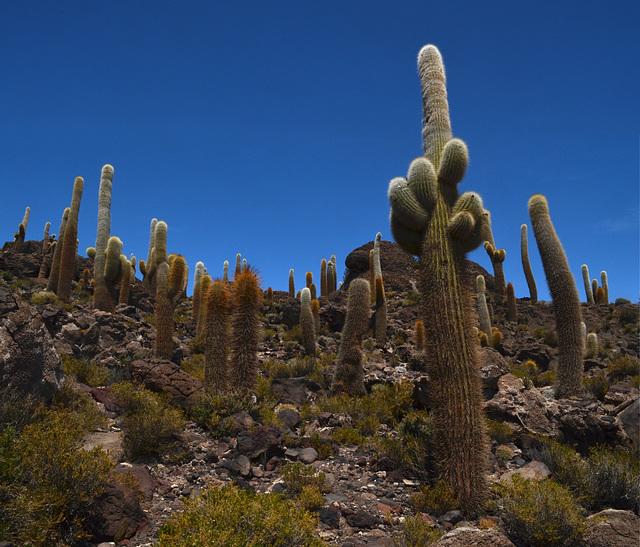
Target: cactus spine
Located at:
point(308, 277)
point(216, 331)
point(245, 336)
point(349, 373)
point(601, 297)
point(591, 345)
point(68, 258)
point(307, 323)
point(587, 284)
point(420, 336)
point(381, 313)
point(512, 310)
point(45, 237)
point(292, 284)
point(605, 286)
point(22, 229)
point(102, 299)
point(52, 285)
point(430, 219)
point(565, 299)
point(238, 269)
point(526, 265)
point(169, 288)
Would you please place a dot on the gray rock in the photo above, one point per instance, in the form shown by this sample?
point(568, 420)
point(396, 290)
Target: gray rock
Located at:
point(612, 528)
point(308, 455)
point(630, 420)
point(473, 537)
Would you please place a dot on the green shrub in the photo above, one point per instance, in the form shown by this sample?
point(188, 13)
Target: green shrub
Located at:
point(501, 432)
point(418, 532)
point(546, 378)
point(567, 467)
point(322, 446)
point(80, 404)
point(150, 425)
point(347, 435)
point(86, 372)
point(213, 412)
point(539, 512)
point(297, 475)
point(597, 385)
point(47, 481)
point(194, 365)
point(629, 316)
point(44, 297)
point(230, 517)
point(621, 367)
point(614, 477)
point(434, 500)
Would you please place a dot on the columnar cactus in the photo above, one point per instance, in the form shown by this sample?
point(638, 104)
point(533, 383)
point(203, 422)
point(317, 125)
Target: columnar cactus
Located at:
point(307, 323)
point(238, 269)
point(331, 276)
point(314, 291)
point(169, 286)
point(216, 331)
point(148, 268)
point(566, 303)
point(45, 238)
point(225, 271)
point(292, 284)
point(372, 278)
point(430, 219)
point(377, 268)
point(594, 288)
point(52, 285)
point(323, 277)
point(497, 257)
point(335, 274)
point(102, 297)
point(587, 284)
point(591, 346)
point(601, 296)
point(315, 311)
point(349, 373)
point(205, 283)
point(605, 285)
point(308, 277)
point(245, 326)
point(483, 310)
point(125, 283)
point(68, 258)
point(22, 229)
point(512, 310)
point(526, 265)
point(198, 296)
point(381, 313)
point(420, 336)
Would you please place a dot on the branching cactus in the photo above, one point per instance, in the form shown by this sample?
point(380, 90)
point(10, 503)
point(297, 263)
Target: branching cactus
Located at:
point(22, 229)
point(216, 331)
point(586, 279)
point(349, 373)
point(68, 258)
point(497, 257)
point(292, 284)
point(245, 326)
point(102, 297)
point(526, 265)
point(169, 285)
point(307, 323)
point(430, 219)
point(54, 274)
point(564, 293)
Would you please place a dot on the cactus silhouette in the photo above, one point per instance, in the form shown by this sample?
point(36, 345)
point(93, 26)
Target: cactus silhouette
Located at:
point(349, 373)
point(22, 229)
point(566, 303)
point(430, 219)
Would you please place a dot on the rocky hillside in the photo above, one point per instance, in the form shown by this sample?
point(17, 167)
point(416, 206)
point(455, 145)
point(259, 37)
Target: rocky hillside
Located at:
point(379, 482)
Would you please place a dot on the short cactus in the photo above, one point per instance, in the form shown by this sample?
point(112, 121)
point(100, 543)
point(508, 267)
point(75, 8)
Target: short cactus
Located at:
point(587, 284)
point(22, 229)
point(591, 346)
point(307, 323)
point(225, 271)
point(565, 299)
point(526, 265)
point(497, 257)
point(45, 237)
point(512, 310)
point(349, 373)
point(308, 277)
point(125, 283)
point(605, 286)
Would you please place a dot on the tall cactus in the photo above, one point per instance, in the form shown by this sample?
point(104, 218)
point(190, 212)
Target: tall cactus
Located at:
point(349, 373)
point(45, 238)
point(216, 332)
point(512, 309)
point(52, 284)
point(331, 276)
point(483, 310)
point(148, 268)
point(225, 271)
point(22, 229)
point(372, 278)
point(68, 258)
point(334, 287)
point(381, 312)
point(102, 299)
point(564, 293)
point(238, 269)
point(430, 219)
point(323, 277)
point(526, 265)
point(605, 285)
point(125, 283)
point(586, 279)
point(169, 287)
point(497, 257)
point(198, 296)
point(292, 284)
point(307, 323)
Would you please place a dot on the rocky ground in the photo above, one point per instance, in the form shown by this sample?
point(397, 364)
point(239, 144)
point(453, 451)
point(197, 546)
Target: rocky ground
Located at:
point(367, 498)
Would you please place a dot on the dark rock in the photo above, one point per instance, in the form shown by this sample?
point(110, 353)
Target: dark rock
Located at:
point(420, 394)
point(295, 391)
point(211, 457)
point(117, 514)
point(242, 422)
point(265, 441)
point(308, 455)
point(106, 397)
point(290, 417)
point(330, 516)
point(140, 475)
point(29, 363)
point(290, 312)
point(492, 367)
point(630, 420)
point(167, 377)
point(362, 519)
point(537, 352)
point(452, 517)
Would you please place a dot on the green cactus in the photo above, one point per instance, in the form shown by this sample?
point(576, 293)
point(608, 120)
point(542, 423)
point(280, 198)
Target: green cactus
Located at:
point(605, 285)
point(591, 346)
point(381, 313)
point(566, 303)
point(216, 332)
point(68, 258)
point(526, 265)
point(587, 284)
point(349, 373)
point(238, 270)
point(22, 229)
point(429, 219)
point(102, 296)
point(125, 284)
point(245, 328)
point(198, 296)
point(323, 277)
point(331, 276)
point(169, 284)
point(292, 284)
point(483, 310)
point(45, 238)
point(52, 284)
point(225, 271)
point(512, 310)
point(497, 257)
point(307, 323)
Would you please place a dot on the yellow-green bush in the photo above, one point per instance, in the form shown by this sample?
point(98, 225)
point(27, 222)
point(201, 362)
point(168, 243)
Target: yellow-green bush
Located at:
point(298, 475)
point(614, 478)
point(150, 425)
point(86, 372)
point(419, 532)
point(501, 432)
point(47, 481)
point(539, 513)
point(230, 517)
point(434, 500)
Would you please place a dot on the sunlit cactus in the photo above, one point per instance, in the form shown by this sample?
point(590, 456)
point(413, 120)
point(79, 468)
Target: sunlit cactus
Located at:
point(587, 284)
point(216, 333)
point(22, 229)
point(68, 258)
point(102, 296)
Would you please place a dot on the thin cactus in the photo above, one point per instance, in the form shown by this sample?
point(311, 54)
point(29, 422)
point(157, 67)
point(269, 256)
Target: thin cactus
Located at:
point(331, 277)
point(125, 284)
point(216, 331)
point(225, 271)
point(497, 257)
point(45, 237)
point(68, 258)
point(483, 310)
point(335, 274)
point(292, 285)
point(198, 296)
point(381, 312)
point(102, 297)
point(565, 299)
point(605, 285)
point(526, 265)
point(307, 323)
point(238, 269)
point(323, 277)
point(308, 277)
point(512, 310)
point(52, 285)
point(587, 284)
point(372, 277)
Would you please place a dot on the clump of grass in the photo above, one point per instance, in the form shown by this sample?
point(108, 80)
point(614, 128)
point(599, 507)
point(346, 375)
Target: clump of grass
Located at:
point(86, 372)
point(597, 385)
point(435, 500)
point(499, 431)
point(621, 367)
point(417, 531)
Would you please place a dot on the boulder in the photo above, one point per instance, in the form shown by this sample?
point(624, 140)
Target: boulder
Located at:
point(466, 536)
point(295, 391)
point(166, 377)
point(630, 421)
point(117, 514)
point(612, 528)
point(29, 363)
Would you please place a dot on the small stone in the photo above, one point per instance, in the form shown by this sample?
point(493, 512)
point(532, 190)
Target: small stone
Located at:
point(308, 455)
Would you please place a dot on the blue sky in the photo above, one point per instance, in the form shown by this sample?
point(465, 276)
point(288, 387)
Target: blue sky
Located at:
point(272, 129)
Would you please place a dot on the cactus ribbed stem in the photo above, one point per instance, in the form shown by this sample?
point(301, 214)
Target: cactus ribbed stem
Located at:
point(54, 274)
point(381, 312)
point(323, 277)
point(586, 279)
point(101, 294)
point(69, 255)
point(307, 323)
point(526, 265)
point(216, 332)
